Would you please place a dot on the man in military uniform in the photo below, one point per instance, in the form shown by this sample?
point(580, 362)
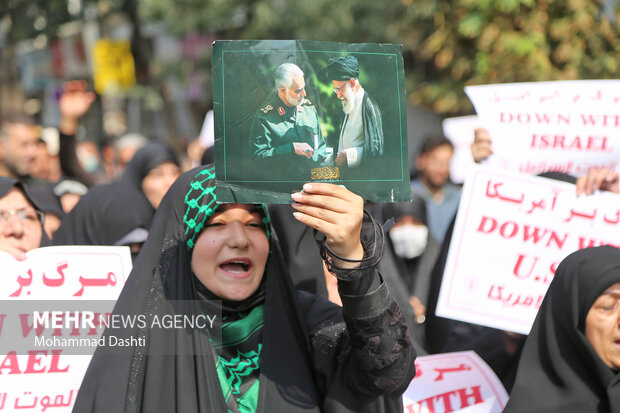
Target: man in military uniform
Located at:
point(361, 135)
point(286, 128)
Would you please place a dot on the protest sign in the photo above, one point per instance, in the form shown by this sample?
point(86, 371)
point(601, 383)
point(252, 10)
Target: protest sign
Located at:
point(564, 126)
point(66, 272)
point(113, 65)
point(511, 232)
point(270, 140)
point(454, 382)
point(46, 378)
point(460, 131)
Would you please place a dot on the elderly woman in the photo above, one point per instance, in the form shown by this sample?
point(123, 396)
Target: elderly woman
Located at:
point(571, 358)
point(280, 350)
point(21, 221)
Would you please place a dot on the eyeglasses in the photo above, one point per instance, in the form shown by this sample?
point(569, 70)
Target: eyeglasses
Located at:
point(31, 216)
point(339, 89)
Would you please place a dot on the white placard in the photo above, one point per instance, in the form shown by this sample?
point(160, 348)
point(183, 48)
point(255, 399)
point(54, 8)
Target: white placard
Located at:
point(47, 380)
point(460, 131)
point(511, 232)
point(454, 382)
point(65, 272)
point(563, 126)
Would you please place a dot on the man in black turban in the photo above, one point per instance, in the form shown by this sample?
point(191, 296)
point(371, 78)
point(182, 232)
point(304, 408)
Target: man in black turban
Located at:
point(361, 135)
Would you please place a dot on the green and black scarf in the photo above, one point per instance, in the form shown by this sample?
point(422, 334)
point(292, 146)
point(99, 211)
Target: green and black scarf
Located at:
point(238, 349)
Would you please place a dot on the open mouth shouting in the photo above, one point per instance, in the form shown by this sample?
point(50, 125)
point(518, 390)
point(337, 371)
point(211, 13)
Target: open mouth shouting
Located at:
point(238, 267)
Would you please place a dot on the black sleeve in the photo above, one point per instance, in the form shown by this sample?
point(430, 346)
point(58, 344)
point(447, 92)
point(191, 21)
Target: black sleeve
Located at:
point(69, 163)
point(382, 356)
point(363, 350)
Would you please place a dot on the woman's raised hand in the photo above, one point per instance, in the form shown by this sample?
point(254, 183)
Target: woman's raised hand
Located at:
point(337, 213)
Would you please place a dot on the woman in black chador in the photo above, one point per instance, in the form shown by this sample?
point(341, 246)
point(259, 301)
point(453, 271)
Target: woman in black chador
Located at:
point(280, 350)
point(120, 212)
point(571, 358)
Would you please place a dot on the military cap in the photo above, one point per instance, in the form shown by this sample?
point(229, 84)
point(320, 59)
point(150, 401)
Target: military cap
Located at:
point(340, 68)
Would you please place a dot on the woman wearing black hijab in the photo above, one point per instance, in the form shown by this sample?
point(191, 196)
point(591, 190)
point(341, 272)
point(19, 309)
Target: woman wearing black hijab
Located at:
point(299, 354)
point(50, 205)
point(412, 254)
point(21, 220)
point(152, 170)
point(106, 215)
point(571, 358)
point(415, 250)
point(120, 213)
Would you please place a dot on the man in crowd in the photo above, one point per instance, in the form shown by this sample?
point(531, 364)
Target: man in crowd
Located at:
point(286, 128)
point(433, 184)
point(19, 137)
point(19, 148)
point(361, 134)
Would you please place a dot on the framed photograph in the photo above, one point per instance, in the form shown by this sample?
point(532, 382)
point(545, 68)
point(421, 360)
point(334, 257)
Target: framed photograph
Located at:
point(294, 111)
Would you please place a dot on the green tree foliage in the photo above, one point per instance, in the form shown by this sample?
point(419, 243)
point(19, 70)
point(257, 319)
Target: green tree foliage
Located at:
point(30, 18)
point(469, 42)
point(448, 44)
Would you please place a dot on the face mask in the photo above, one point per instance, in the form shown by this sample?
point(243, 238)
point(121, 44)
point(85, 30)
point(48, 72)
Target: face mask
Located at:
point(409, 240)
point(90, 163)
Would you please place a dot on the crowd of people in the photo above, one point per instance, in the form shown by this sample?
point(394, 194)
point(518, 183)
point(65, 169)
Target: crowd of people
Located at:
point(330, 325)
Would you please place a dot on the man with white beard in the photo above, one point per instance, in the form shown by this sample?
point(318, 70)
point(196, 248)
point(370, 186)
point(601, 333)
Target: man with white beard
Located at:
point(286, 127)
point(361, 135)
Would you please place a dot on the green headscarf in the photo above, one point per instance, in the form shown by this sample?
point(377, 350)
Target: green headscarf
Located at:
point(239, 349)
point(201, 203)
